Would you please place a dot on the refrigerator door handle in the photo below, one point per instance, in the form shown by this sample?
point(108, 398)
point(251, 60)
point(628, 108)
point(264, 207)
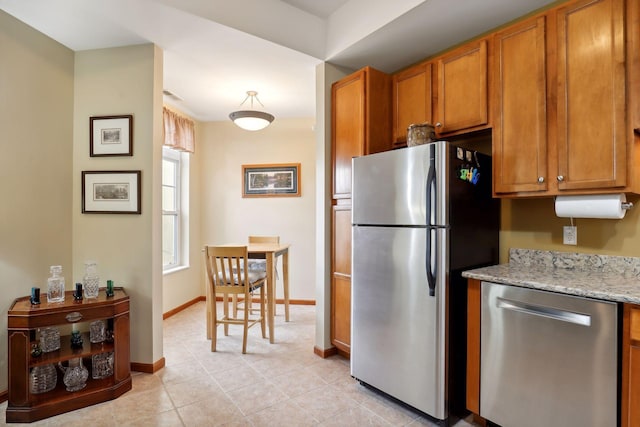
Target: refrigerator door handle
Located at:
point(431, 196)
point(431, 277)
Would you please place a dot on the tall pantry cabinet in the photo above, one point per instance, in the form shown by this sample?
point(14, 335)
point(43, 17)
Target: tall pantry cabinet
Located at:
point(361, 124)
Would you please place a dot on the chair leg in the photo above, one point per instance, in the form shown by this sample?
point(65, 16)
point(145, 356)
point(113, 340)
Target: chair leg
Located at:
point(246, 327)
point(225, 304)
point(262, 313)
point(214, 323)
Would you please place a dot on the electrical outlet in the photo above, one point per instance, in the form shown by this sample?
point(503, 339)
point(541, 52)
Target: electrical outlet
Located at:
point(570, 235)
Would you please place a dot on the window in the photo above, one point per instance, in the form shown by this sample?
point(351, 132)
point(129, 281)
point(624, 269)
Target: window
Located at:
point(174, 227)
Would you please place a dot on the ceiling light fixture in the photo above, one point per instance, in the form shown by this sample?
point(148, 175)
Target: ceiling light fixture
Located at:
point(251, 119)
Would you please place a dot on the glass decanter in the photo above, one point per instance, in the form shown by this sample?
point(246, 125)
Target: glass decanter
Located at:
point(90, 281)
point(55, 284)
point(75, 375)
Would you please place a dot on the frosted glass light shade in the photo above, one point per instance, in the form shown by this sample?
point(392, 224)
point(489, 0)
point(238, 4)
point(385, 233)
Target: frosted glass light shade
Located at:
point(251, 120)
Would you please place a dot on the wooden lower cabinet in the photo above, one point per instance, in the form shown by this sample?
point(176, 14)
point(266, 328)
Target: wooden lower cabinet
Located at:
point(630, 404)
point(341, 279)
point(341, 314)
point(474, 299)
point(26, 323)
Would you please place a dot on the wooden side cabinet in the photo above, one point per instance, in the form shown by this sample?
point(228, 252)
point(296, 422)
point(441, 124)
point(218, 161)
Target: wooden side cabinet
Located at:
point(361, 124)
point(630, 400)
point(25, 322)
point(341, 279)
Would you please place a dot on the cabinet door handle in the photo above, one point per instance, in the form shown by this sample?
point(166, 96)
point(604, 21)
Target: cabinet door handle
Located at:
point(74, 316)
point(560, 178)
point(541, 179)
point(438, 125)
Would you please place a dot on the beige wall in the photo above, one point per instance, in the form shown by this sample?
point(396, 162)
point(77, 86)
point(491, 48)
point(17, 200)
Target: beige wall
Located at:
point(228, 217)
point(185, 285)
point(126, 247)
point(36, 107)
point(532, 224)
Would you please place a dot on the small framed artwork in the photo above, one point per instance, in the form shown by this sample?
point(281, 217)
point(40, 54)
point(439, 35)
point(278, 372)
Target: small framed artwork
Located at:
point(111, 136)
point(115, 192)
point(275, 180)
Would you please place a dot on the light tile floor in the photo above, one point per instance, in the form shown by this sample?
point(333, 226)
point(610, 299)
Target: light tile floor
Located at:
point(280, 384)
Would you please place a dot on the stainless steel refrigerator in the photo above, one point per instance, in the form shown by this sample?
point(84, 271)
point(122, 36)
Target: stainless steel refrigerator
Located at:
point(421, 215)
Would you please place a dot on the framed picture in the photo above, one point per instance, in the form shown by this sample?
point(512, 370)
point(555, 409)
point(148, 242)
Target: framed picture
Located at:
point(277, 180)
point(111, 136)
point(117, 192)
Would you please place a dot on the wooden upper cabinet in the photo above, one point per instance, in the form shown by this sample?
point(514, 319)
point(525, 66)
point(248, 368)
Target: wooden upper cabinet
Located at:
point(361, 118)
point(463, 103)
point(591, 111)
point(519, 109)
point(412, 96)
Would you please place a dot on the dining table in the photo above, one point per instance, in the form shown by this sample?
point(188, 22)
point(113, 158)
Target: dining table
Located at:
point(270, 252)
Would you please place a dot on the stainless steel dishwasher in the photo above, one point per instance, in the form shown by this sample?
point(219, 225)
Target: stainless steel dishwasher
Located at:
point(547, 359)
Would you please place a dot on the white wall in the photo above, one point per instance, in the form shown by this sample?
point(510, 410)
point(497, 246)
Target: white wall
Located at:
point(227, 217)
point(36, 122)
point(126, 247)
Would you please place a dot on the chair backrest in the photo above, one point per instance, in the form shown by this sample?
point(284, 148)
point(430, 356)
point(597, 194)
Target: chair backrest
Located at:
point(225, 269)
point(264, 239)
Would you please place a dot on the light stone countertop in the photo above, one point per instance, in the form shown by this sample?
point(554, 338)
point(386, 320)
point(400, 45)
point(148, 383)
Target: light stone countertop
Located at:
point(603, 277)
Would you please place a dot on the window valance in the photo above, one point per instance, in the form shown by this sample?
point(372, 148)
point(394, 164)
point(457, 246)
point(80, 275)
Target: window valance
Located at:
point(179, 131)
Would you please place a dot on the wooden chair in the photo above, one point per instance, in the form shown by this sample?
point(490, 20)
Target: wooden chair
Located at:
point(257, 264)
point(227, 275)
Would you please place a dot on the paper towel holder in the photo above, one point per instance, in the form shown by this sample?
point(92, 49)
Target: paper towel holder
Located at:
point(605, 206)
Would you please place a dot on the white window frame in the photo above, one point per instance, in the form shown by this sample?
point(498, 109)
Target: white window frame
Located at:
point(181, 228)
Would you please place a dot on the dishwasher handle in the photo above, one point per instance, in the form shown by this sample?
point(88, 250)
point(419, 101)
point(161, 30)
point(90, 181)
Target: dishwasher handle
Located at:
point(543, 311)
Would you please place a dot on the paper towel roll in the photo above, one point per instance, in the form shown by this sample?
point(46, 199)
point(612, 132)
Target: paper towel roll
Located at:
point(608, 206)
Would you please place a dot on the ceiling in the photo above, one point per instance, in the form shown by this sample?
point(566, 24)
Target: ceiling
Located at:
point(216, 50)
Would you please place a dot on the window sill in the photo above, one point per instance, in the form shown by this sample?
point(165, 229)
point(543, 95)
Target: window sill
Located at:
point(174, 270)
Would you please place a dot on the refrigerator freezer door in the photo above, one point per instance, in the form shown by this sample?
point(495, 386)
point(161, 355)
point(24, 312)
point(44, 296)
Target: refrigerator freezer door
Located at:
point(390, 187)
point(397, 342)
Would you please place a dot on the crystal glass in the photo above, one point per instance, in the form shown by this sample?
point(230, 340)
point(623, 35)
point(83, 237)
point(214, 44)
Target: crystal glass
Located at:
point(90, 281)
point(42, 379)
point(75, 375)
point(97, 331)
point(101, 365)
point(55, 284)
point(49, 339)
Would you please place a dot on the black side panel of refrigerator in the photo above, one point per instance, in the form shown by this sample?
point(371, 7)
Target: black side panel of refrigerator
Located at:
point(474, 218)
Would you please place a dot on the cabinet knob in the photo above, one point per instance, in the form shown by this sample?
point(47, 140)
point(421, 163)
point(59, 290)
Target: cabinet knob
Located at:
point(438, 125)
point(560, 178)
point(541, 179)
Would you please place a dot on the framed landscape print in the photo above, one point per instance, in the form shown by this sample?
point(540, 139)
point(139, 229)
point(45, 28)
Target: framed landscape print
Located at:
point(116, 192)
point(271, 180)
point(111, 136)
